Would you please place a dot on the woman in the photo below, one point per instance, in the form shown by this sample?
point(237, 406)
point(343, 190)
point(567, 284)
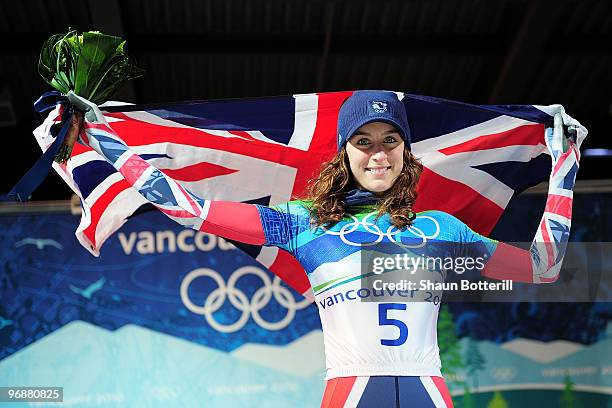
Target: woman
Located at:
point(378, 353)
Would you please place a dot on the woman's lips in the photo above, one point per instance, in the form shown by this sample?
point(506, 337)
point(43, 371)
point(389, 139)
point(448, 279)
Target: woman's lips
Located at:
point(377, 171)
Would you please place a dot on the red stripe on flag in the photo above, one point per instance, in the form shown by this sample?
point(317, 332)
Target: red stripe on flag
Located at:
point(309, 163)
point(197, 172)
point(242, 134)
point(101, 205)
point(286, 267)
point(559, 205)
point(529, 135)
point(456, 198)
point(136, 133)
point(80, 149)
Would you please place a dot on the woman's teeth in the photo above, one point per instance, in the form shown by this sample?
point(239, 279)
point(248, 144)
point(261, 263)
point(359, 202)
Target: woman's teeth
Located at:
point(378, 171)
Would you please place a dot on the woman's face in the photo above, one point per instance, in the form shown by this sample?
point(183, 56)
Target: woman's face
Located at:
point(376, 156)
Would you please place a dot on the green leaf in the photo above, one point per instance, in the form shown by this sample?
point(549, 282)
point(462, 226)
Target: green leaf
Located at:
point(92, 65)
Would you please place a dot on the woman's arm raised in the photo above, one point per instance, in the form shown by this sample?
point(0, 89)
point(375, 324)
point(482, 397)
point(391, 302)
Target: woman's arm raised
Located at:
point(542, 262)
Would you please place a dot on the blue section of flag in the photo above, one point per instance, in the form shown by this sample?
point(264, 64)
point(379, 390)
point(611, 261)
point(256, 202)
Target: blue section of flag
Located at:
point(149, 156)
point(452, 115)
point(518, 175)
point(273, 117)
point(90, 175)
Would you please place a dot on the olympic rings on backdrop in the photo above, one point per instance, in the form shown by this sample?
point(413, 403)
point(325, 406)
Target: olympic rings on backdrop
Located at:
point(503, 373)
point(390, 234)
point(239, 300)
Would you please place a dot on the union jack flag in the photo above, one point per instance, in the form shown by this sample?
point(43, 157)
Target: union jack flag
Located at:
point(265, 150)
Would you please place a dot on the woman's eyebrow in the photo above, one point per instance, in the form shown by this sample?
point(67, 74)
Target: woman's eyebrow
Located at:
point(386, 132)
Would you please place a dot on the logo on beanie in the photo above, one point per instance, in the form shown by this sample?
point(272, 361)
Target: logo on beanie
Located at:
point(378, 106)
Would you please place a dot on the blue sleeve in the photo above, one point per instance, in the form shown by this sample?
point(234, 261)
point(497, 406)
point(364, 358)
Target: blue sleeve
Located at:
point(475, 244)
point(282, 224)
point(465, 241)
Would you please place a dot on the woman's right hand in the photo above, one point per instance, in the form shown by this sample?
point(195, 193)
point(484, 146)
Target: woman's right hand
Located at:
point(76, 127)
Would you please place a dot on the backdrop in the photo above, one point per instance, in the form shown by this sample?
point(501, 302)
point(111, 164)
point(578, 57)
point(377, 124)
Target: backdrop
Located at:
point(167, 316)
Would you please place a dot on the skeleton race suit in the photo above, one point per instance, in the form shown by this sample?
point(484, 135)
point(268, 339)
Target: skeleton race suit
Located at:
point(377, 353)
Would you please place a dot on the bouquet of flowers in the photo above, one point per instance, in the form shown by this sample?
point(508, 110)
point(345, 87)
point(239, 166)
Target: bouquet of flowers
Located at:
point(92, 65)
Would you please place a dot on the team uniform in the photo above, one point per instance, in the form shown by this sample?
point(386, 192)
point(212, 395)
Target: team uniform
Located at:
point(366, 337)
point(332, 259)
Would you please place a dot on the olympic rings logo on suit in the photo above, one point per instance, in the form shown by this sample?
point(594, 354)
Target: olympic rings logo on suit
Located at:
point(239, 300)
point(390, 234)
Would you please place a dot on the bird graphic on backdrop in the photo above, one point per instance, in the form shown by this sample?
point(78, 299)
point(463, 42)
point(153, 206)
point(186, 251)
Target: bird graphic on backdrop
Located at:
point(40, 243)
point(90, 290)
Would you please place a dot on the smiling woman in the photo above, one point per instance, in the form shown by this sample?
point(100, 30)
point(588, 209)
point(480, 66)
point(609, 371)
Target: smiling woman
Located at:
point(376, 156)
point(374, 164)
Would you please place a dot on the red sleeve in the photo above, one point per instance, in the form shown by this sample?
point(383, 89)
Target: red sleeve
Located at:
point(232, 220)
point(509, 262)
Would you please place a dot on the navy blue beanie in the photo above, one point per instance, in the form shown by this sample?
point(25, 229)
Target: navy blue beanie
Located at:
point(363, 107)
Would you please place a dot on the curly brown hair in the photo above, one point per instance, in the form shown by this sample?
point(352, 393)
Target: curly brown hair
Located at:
point(328, 190)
